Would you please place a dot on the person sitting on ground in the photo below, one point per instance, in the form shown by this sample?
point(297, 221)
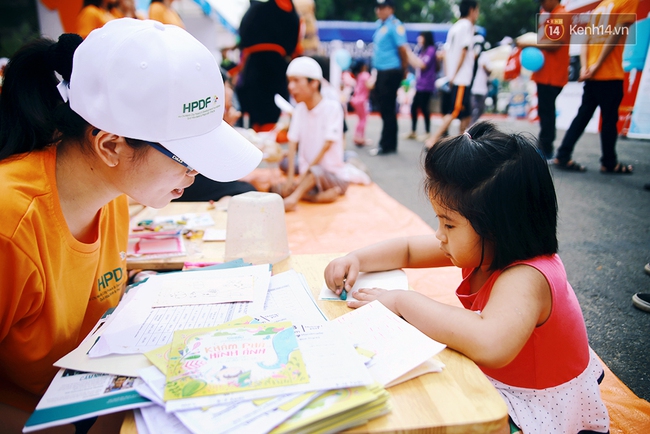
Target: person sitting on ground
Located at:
point(67, 164)
point(520, 321)
point(315, 138)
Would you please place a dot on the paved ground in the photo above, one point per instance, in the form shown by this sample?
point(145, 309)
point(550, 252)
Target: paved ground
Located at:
point(604, 236)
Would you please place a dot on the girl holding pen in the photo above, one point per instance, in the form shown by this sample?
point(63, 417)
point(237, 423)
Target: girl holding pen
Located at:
point(520, 321)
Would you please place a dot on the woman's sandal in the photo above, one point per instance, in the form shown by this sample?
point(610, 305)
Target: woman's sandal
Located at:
point(570, 166)
point(619, 169)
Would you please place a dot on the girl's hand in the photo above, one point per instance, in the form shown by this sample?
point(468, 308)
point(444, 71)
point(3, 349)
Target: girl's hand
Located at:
point(341, 273)
point(364, 296)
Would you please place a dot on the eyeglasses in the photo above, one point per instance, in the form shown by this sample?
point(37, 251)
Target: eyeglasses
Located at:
point(171, 155)
point(163, 151)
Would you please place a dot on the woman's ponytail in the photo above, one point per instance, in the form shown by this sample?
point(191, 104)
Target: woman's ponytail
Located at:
point(32, 112)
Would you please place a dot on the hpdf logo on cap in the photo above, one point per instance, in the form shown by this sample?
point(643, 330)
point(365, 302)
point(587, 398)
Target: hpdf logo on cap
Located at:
point(145, 80)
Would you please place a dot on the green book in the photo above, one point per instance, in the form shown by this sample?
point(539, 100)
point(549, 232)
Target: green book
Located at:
point(233, 358)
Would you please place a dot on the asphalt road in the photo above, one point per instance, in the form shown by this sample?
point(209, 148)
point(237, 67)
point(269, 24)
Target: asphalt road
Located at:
point(604, 235)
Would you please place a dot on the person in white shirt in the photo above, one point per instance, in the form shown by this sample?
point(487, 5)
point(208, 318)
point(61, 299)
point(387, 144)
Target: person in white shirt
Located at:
point(459, 68)
point(482, 71)
point(317, 126)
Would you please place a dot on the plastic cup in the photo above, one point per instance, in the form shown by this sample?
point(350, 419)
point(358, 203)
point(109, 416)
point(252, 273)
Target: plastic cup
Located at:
point(256, 230)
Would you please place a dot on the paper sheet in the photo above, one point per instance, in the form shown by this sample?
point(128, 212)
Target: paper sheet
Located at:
point(160, 422)
point(393, 279)
point(138, 327)
point(391, 345)
point(189, 220)
point(212, 234)
point(205, 288)
point(78, 359)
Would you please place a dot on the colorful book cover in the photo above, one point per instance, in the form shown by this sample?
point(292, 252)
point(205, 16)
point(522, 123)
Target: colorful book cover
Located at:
point(233, 358)
point(160, 356)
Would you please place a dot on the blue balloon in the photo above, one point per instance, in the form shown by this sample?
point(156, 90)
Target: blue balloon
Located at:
point(343, 58)
point(532, 58)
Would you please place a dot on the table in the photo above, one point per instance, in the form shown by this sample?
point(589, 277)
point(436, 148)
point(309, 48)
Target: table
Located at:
point(459, 399)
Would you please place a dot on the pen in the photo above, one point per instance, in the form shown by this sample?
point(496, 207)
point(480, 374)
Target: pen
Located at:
point(344, 293)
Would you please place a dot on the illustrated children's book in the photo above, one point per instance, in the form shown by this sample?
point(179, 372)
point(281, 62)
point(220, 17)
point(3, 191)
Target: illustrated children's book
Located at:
point(337, 410)
point(233, 358)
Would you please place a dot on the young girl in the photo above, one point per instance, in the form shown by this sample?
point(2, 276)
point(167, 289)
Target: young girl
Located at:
point(138, 110)
point(521, 322)
point(359, 100)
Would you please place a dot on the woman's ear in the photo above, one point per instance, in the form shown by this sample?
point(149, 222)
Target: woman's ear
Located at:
point(110, 148)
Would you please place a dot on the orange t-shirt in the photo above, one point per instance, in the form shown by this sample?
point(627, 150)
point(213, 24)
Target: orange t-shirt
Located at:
point(91, 18)
point(555, 71)
point(612, 67)
point(159, 12)
point(54, 287)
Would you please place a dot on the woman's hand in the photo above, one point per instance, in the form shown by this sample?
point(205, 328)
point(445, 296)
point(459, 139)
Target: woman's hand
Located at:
point(341, 273)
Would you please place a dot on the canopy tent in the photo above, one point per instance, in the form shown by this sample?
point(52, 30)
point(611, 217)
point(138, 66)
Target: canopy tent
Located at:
point(352, 31)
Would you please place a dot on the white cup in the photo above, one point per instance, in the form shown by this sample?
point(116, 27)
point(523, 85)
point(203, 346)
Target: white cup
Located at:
point(256, 230)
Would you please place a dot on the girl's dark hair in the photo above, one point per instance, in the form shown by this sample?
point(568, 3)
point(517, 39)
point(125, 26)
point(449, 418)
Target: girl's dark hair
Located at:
point(428, 39)
point(97, 3)
point(501, 185)
point(33, 115)
point(357, 66)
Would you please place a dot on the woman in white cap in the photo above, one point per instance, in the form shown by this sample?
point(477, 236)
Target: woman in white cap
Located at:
point(138, 113)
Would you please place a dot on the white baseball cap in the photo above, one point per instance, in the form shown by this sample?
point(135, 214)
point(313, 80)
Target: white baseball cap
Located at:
point(305, 67)
point(145, 80)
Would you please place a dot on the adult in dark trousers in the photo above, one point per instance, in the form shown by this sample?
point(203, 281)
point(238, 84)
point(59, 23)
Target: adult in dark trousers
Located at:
point(390, 59)
point(602, 71)
point(459, 69)
point(269, 36)
point(552, 76)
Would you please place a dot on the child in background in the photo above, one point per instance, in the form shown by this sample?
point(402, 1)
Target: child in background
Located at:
point(521, 322)
point(315, 138)
point(425, 77)
point(359, 100)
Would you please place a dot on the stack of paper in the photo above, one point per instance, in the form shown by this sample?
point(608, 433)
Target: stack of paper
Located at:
point(235, 350)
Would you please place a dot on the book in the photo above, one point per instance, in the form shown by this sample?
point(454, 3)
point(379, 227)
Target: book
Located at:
point(337, 410)
point(233, 358)
point(74, 395)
